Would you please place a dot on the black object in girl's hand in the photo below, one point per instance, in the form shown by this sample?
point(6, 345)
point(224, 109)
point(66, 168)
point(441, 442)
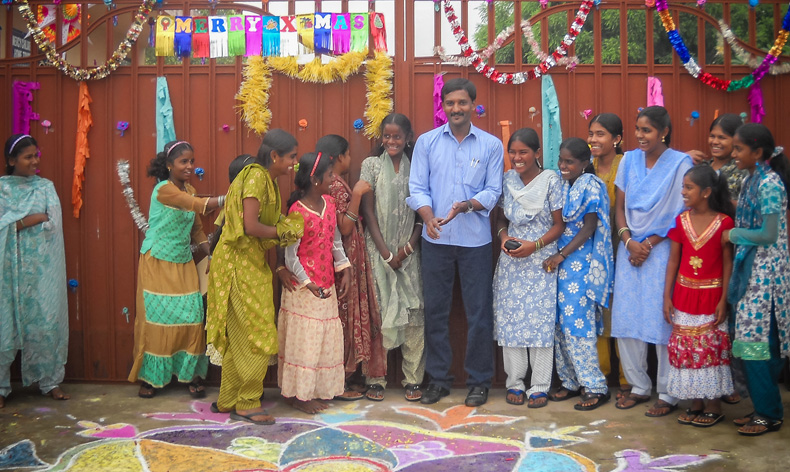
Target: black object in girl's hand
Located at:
point(512, 244)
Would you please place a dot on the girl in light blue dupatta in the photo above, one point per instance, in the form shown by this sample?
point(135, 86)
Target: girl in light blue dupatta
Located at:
point(34, 315)
point(585, 264)
point(648, 182)
point(760, 283)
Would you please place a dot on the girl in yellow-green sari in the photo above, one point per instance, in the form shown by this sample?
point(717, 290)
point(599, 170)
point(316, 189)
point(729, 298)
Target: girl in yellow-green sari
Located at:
point(240, 316)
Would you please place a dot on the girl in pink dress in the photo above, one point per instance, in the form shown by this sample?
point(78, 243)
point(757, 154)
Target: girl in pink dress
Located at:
point(310, 335)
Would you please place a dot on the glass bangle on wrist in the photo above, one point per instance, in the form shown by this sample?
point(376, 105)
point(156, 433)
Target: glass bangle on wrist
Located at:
point(389, 259)
point(649, 243)
point(469, 206)
point(622, 230)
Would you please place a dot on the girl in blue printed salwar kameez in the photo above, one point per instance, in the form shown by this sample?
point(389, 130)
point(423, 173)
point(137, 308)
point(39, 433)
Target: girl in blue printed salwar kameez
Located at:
point(34, 316)
point(760, 283)
point(525, 295)
point(584, 263)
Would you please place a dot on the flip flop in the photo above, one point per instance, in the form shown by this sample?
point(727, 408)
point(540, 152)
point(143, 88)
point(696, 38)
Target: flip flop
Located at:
point(413, 393)
point(601, 397)
point(375, 393)
point(248, 418)
point(770, 426)
point(519, 394)
point(733, 399)
point(637, 399)
point(538, 396)
point(715, 417)
point(689, 414)
point(555, 396)
point(661, 404)
point(197, 390)
point(146, 391)
point(743, 420)
point(346, 396)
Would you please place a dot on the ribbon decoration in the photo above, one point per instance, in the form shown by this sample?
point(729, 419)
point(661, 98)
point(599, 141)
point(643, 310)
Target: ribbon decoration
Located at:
point(378, 31)
point(304, 28)
point(752, 60)
point(289, 37)
point(201, 41)
point(439, 116)
point(655, 94)
point(165, 36)
point(237, 44)
point(552, 133)
point(253, 33)
point(218, 36)
point(270, 36)
point(23, 110)
point(122, 126)
point(322, 33)
point(165, 129)
point(505, 125)
point(696, 71)
point(359, 32)
point(341, 33)
point(183, 36)
point(756, 103)
point(83, 152)
point(519, 77)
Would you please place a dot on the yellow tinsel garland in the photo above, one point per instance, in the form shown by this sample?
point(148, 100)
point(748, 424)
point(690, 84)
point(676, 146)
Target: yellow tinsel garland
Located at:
point(254, 91)
point(254, 95)
point(378, 79)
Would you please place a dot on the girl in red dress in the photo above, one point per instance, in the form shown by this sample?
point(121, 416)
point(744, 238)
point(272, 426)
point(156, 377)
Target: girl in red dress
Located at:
point(310, 359)
point(695, 297)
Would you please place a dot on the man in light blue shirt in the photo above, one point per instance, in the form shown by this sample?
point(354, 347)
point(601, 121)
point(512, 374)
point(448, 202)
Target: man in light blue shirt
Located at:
point(455, 182)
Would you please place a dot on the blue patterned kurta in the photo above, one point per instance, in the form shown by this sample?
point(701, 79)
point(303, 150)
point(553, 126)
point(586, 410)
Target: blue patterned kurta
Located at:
point(525, 300)
point(585, 276)
point(34, 313)
point(763, 193)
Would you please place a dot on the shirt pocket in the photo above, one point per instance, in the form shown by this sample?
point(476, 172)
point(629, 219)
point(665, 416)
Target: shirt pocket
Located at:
point(475, 175)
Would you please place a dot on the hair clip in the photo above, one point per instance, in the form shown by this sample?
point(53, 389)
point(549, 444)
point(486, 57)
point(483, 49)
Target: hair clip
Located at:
point(316, 164)
point(777, 150)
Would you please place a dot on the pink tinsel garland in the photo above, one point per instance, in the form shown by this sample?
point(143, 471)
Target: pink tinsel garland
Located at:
point(23, 110)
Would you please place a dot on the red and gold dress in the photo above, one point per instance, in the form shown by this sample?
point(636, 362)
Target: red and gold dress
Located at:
point(359, 311)
point(699, 350)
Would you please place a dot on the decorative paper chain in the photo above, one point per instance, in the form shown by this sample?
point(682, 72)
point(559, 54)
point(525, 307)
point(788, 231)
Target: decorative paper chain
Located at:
point(696, 71)
point(526, 29)
point(750, 59)
point(518, 77)
point(93, 73)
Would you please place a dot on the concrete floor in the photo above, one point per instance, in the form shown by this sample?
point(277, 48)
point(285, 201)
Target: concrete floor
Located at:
point(108, 428)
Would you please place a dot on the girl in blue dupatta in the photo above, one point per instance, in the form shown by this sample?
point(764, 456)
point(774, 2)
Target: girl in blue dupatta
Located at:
point(648, 182)
point(34, 315)
point(585, 275)
point(760, 282)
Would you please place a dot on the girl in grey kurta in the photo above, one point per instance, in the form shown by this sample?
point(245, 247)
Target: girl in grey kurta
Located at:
point(392, 235)
point(525, 295)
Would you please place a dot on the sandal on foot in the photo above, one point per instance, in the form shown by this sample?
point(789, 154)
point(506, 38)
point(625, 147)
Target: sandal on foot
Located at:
point(768, 425)
point(349, 396)
point(623, 392)
point(712, 418)
point(538, 400)
point(733, 399)
point(215, 409)
point(563, 394)
point(632, 400)
point(744, 420)
point(520, 396)
point(197, 390)
point(663, 406)
point(249, 418)
point(600, 399)
point(375, 393)
point(689, 416)
point(146, 391)
point(413, 393)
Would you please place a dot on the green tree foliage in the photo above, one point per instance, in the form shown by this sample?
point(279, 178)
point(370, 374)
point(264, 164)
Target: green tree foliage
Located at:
point(663, 52)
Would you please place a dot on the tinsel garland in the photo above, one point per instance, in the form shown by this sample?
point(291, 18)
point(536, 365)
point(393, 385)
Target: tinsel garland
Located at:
point(94, 73)
point(254, 95)
point(745, 56)
point(696, 71)
point(122, 167)
point(518, 77)
point(254, 90)
point(526, 30)
point(378, 82)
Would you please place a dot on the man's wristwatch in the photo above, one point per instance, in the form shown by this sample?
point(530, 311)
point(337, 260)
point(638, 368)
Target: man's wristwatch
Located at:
point(469, 207)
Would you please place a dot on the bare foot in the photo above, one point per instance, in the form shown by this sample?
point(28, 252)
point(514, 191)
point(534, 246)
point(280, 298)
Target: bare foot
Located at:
point(310, 407)
point(58, 394)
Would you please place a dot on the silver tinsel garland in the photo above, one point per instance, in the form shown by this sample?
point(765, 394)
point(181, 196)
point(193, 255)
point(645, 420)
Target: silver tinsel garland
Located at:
point(137, 215)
